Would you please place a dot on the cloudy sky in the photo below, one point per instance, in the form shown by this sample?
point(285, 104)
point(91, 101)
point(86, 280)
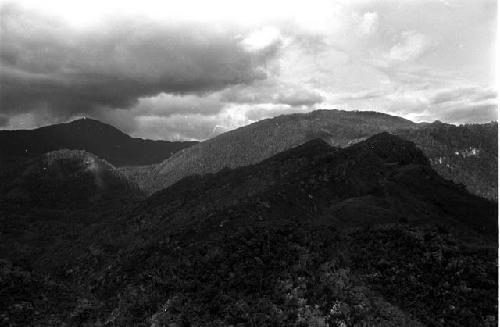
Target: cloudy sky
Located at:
point(192, 69)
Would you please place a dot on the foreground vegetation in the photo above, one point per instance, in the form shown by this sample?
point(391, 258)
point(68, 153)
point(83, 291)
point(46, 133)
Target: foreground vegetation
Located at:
point(390, 275)
point(369, 235)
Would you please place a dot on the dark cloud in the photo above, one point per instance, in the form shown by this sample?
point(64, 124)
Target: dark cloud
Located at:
point(170, 104)
point(363, 95)
point(4, 121)
point(274, 92)
point(470, 114)
point(255, 114)
point(177, 127)
point(471, 94)
point(153, 77)
point(46, 64)
point(300, 98)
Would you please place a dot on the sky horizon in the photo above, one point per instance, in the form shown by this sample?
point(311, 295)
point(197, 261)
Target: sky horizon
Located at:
point(79, 117)
point(192, 70)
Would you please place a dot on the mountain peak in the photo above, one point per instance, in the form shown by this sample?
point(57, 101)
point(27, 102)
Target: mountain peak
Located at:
point(94, 124)
point(97, 137)
point(393, 149)
point(88, 121)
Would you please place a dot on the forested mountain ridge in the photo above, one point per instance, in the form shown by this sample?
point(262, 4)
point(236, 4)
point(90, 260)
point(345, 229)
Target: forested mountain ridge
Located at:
point(316, 235)
point(64, 179)
point(474, 165)
point(87, 134)
point(258, 141)
point(47, 201)
point(375, 167)
point(466, 154)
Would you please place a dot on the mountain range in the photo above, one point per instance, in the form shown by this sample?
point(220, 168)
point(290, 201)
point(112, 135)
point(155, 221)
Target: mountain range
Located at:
point(466, 154)
point(90, 135)
point(65, 178)
point(324, 219)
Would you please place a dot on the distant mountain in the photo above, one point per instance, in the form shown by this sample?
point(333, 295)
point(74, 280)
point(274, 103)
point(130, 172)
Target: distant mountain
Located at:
point(369, 235)
point(90, 135)
point(466, 154)
point(263, 139)
point(65, 179)
point(363, 233)
point(316, 174)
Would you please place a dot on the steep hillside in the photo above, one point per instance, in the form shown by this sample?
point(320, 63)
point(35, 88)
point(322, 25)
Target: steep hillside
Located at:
point(90, 135)
point(465, 154)
point(383, 165)
point(50, 199)
point(369, 235)
point(263, 139)
point(65, 179)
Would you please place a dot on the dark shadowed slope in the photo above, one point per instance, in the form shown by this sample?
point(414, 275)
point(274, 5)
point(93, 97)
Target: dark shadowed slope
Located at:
point(64, 179)
point(263, 139)
point(90, 135)
point(317, 174)
point(49, 199)
point(369, 235)
point(465, 154)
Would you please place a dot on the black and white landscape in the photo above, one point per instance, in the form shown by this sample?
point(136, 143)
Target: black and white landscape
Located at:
point(264, 163)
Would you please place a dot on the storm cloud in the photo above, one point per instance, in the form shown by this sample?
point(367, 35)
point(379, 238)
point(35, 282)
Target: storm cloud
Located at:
point(274, 92)
point(194, 69)
point(470, 94)
point(3, 121)
point(46, 64)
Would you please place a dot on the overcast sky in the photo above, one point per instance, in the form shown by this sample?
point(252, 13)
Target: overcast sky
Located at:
point(192, 69)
